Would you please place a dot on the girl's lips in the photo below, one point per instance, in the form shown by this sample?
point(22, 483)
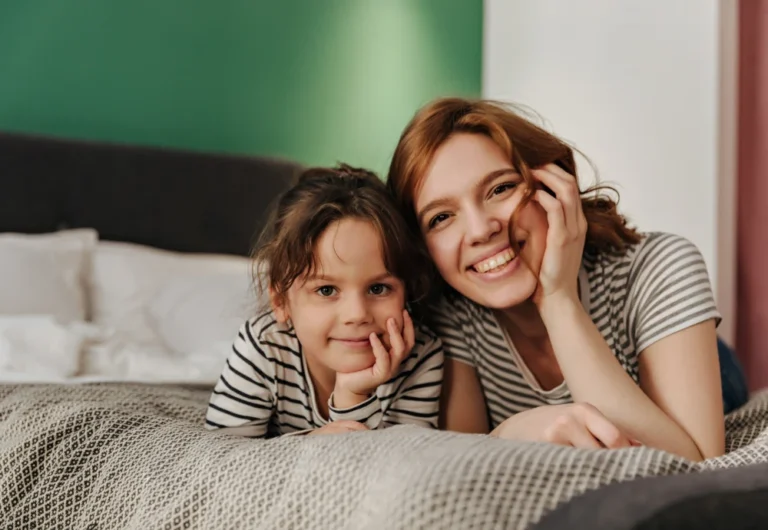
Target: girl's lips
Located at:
point(356, 343)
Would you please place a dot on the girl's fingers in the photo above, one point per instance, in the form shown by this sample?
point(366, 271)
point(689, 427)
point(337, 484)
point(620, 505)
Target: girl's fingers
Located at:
point(395, 338)
point(409, 333)
point(383, 363)
point(349, 425)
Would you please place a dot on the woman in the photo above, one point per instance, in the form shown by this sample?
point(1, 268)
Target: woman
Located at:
point(560, 322)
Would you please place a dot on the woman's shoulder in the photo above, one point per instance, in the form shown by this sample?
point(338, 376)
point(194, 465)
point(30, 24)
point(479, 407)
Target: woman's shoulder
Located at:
point(652, 265)
point(662, 254)
point(653, 247)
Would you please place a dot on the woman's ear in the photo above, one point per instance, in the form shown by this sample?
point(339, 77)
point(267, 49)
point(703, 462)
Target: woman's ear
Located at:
point(279, 307)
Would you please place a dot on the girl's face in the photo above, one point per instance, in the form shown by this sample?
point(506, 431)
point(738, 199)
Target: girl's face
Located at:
point(349, 296)
point(467, 197)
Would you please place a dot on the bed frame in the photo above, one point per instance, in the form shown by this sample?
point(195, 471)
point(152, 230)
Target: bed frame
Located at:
point(169, 199)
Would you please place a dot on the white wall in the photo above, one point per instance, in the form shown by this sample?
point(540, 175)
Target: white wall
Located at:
point(636, 86)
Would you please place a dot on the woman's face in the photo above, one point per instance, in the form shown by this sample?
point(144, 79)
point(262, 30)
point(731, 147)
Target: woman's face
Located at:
point(463, 208)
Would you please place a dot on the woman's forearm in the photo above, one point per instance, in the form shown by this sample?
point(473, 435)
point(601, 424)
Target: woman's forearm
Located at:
point(595, 376)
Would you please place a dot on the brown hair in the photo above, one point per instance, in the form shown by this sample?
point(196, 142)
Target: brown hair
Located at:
point(526, 145)
point(320, 197)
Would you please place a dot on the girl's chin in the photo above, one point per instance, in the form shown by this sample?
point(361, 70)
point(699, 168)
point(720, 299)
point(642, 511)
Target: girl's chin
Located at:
point(348, 368)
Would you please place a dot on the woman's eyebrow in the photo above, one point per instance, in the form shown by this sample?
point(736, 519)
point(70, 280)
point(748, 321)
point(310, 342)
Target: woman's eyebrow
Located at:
point(431, 205)
point(487, 179)
point(493, 175)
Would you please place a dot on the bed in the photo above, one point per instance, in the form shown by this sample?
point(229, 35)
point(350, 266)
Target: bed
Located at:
point(114, 438)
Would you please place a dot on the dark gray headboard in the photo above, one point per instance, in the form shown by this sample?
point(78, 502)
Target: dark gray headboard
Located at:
point(175, 200)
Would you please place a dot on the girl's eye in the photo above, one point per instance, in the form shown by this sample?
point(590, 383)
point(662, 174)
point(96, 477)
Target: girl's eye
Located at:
point(326, 290)
point(439, 218)
point(379, 289)
point(501, 188)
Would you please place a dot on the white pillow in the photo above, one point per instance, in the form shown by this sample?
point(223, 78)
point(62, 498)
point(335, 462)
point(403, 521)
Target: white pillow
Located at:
point(38, 346)
point(183, 302)
point(195, 311)
point(43, 274)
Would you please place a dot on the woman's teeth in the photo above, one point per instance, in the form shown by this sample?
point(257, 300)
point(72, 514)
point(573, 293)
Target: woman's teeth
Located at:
point(496, 262)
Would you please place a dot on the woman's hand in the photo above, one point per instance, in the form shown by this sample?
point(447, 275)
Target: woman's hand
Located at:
point(566, 234)
point(575, 424)
point(339, 427)
point(353, 388)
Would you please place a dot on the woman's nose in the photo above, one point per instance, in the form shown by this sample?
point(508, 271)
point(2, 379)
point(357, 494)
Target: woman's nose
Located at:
point(481, 226)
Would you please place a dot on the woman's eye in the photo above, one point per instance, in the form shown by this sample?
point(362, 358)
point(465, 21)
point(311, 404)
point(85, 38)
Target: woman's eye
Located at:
point(439, 218)
point(326, 290)
point(379, 289)
point(501, 188)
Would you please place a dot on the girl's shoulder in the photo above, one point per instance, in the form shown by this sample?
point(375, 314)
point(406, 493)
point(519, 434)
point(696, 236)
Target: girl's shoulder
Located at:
point(268, 337)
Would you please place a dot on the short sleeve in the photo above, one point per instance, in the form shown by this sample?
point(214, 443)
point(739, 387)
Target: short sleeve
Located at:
point(445, 321)
point(669, 289)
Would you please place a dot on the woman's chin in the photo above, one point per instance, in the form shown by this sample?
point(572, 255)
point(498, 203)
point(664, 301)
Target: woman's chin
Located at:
point(501, 295)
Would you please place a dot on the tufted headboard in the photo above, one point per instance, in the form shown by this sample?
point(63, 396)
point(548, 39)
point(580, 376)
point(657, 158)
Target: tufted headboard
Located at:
point(169, 199)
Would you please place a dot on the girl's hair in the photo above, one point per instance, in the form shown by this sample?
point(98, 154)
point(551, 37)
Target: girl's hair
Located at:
point(526, 146)
point(285, 252)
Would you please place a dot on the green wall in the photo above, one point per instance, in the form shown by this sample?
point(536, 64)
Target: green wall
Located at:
point(315, 81)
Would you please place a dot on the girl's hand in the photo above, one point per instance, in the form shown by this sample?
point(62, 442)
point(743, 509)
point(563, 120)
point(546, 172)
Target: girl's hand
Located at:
point(566, 234)
point(339, 427)
point(575, 424)
point(351, 387)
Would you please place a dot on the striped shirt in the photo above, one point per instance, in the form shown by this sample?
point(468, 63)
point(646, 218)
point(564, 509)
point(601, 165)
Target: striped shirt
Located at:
point(265, 389)
point(636, 297)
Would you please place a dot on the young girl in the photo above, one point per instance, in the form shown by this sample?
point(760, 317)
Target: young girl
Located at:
point(338, 351)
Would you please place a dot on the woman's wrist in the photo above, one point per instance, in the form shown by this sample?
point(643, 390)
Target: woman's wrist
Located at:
point(554, 307)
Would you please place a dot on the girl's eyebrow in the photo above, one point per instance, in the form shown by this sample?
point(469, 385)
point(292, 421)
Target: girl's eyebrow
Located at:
point(441, 201)
point(323, 278)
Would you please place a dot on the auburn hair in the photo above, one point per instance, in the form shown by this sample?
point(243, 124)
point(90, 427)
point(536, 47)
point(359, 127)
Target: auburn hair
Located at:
point(321, 196)
point(526, 145)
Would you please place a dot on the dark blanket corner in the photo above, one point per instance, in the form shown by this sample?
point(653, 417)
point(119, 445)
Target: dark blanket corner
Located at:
point(727, 499)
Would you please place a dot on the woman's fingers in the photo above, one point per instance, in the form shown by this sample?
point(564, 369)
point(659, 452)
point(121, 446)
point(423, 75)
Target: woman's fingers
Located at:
point(602, 428)
point(566, 190)
point(584, 426)
point(567, 430)
point(555, 216)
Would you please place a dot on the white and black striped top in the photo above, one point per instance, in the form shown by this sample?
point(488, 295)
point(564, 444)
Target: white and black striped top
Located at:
point(265, 389)
point(637, 297)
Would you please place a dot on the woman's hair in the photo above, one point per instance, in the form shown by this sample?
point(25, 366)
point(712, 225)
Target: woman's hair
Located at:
point(285, 252)
point(526, 146)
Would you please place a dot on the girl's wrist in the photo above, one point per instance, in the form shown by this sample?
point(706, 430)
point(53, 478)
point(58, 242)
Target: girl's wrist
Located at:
point(345, 399)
